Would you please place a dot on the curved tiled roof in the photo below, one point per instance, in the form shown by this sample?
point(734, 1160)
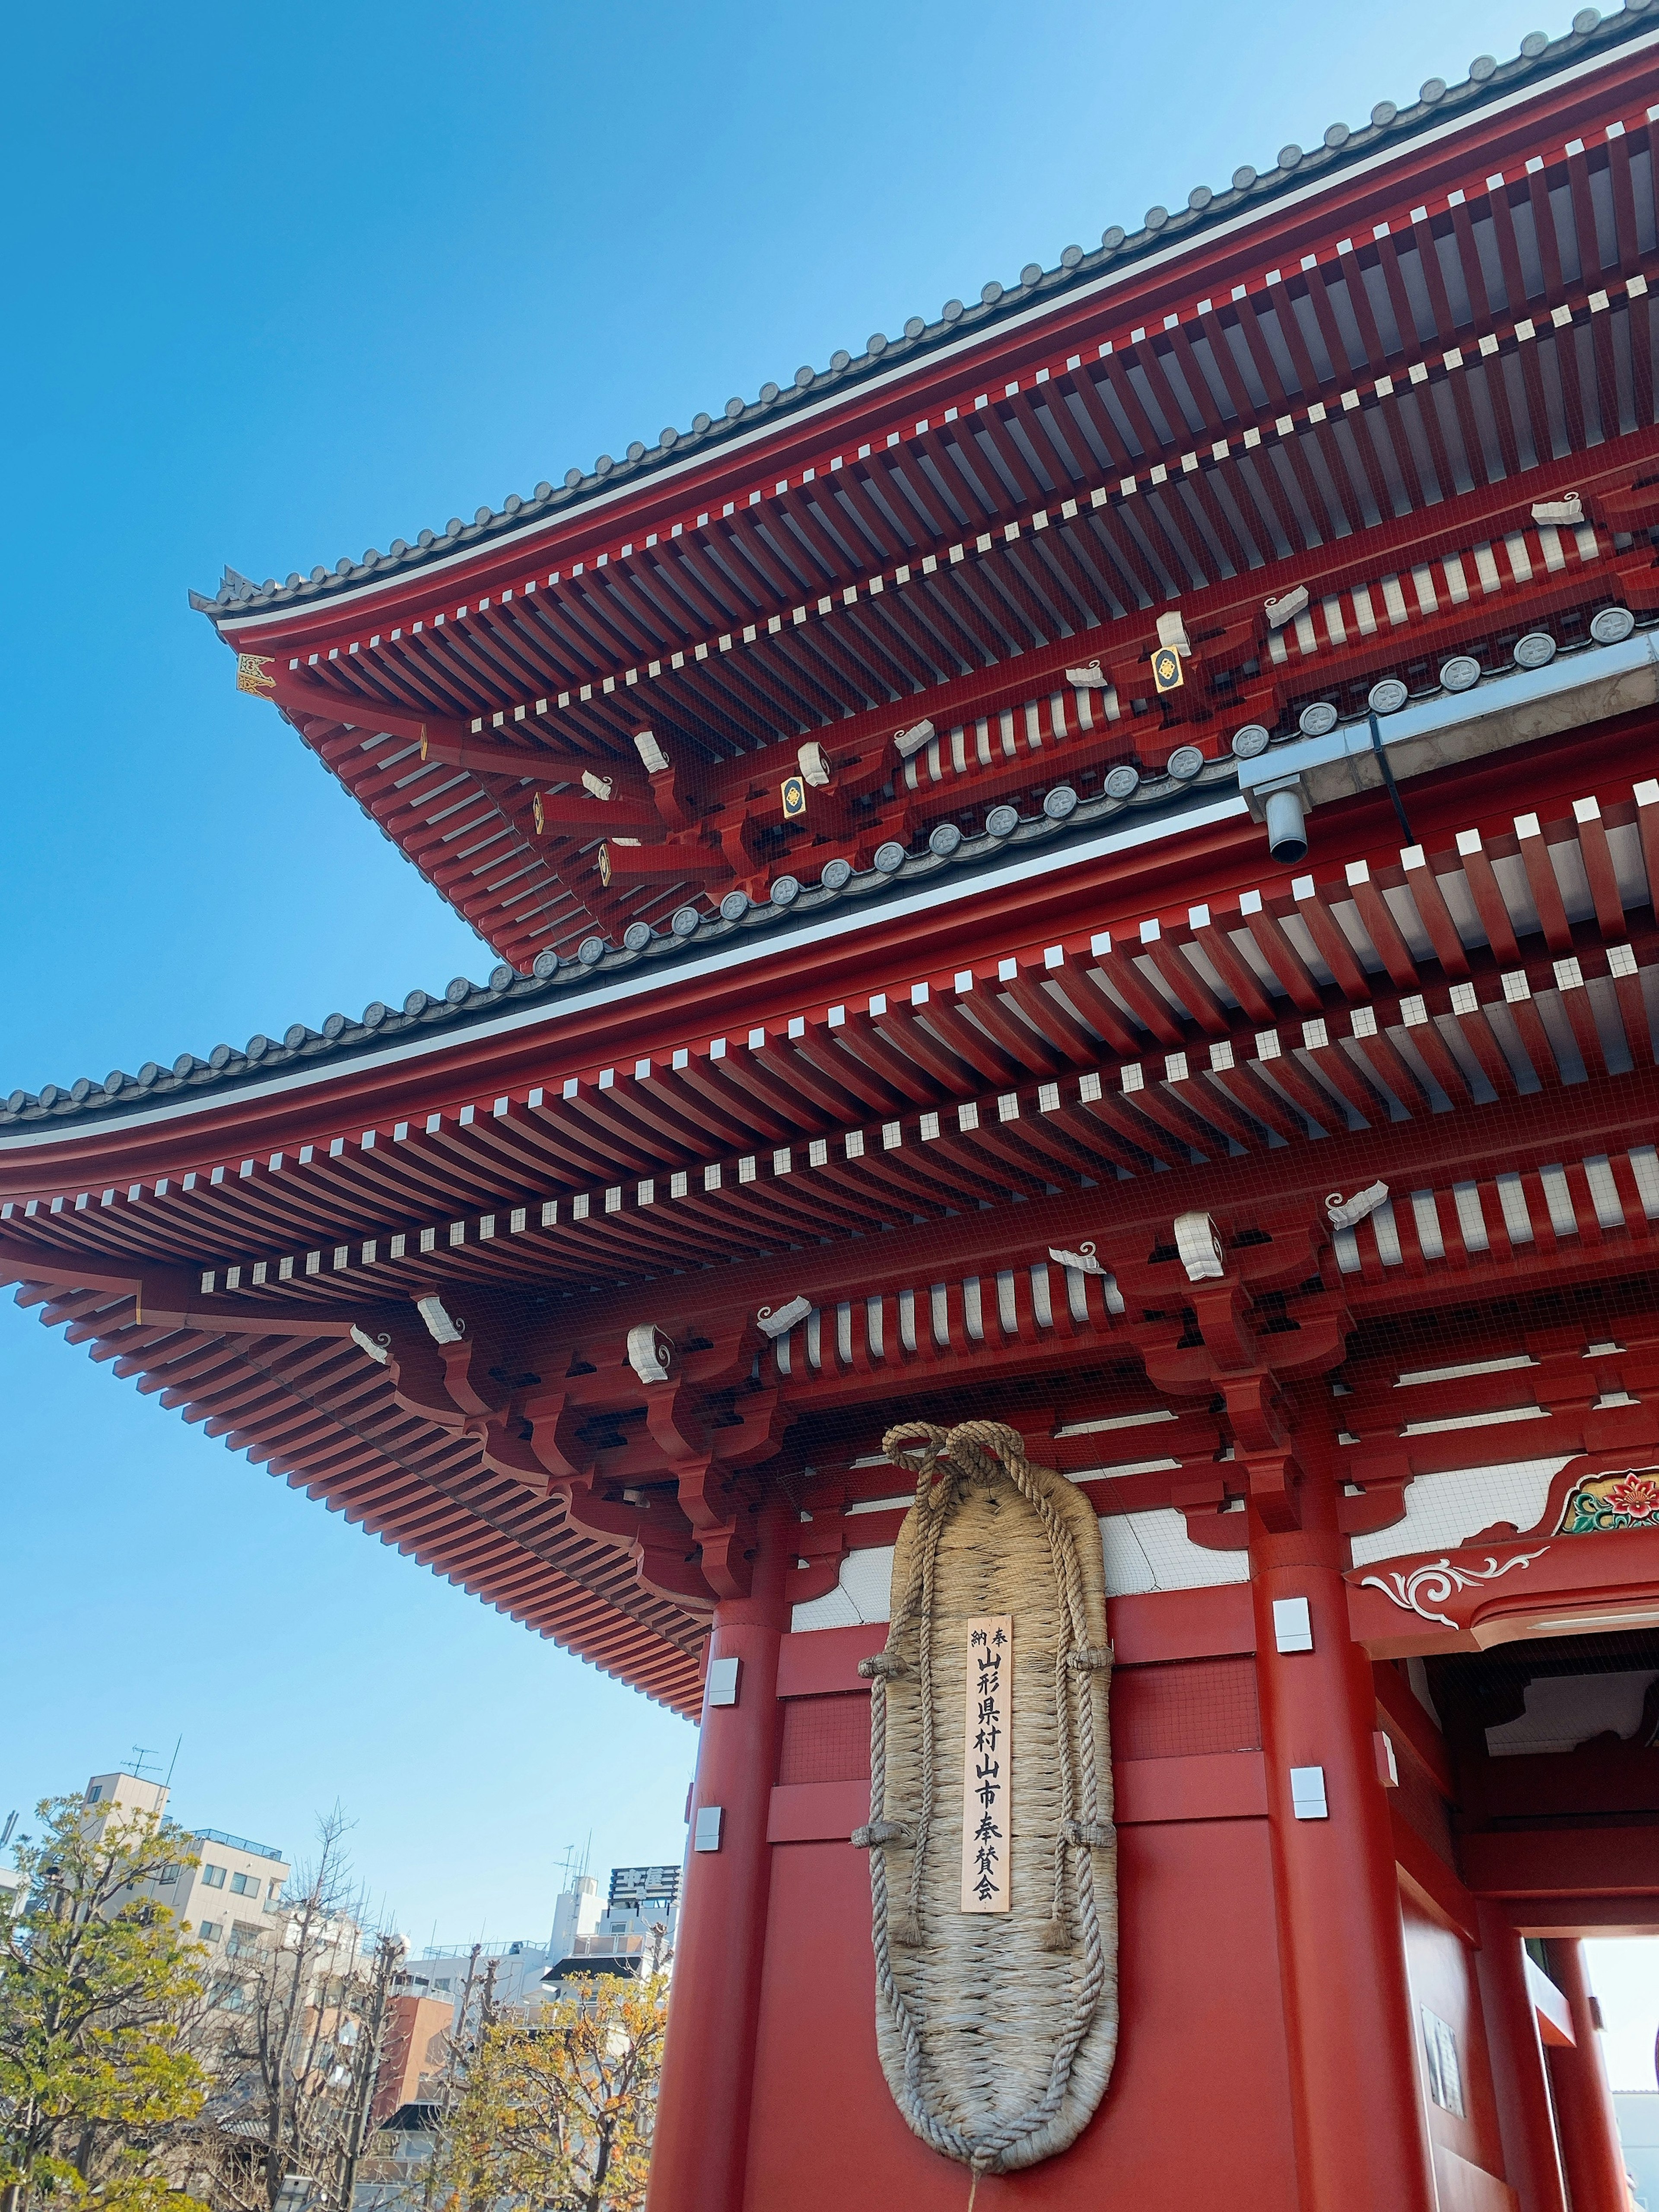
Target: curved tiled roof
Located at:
point(1063, 816)
point(462, 1000)
point(1488, 79)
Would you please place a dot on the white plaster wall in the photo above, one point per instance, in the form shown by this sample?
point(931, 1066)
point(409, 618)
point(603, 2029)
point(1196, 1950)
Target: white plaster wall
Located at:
point(1143, 1551)
point(1443, 1510)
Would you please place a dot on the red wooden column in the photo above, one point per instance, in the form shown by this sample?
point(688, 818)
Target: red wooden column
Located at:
point(1532, 2158)
point(702, 2111)
point(1584, 2102)
point(1357, 2112)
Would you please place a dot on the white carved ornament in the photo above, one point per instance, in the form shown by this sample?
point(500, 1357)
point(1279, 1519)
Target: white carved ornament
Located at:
point(1419, 1589)
point(777, 1320)
point(1200, 1247)
point(1084, 1261)
point(1344, 1213)
point(650, 1353)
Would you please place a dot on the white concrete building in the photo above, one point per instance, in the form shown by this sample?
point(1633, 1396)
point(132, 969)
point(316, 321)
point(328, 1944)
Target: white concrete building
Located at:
point(1637, 2112)
point(449, 1971)
point(634, 1924)
point(231, 1898)
point(637, 1925)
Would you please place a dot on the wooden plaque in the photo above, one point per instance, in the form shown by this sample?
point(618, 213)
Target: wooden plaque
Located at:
point(987, 1766)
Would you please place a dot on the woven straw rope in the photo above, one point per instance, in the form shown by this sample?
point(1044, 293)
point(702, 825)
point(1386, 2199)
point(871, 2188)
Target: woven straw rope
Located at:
point(996, 2031)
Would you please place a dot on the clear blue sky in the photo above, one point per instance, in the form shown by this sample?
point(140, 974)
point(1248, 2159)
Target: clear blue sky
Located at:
point(286, 282)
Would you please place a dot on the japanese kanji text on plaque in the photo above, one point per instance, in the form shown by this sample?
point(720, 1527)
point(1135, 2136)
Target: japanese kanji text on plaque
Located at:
point(987, 1764)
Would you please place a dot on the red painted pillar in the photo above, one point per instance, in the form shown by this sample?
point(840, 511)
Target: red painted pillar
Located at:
point(702, 2111)
point(1584, 2102)
point(1532, 2157)
point(1356, 2108)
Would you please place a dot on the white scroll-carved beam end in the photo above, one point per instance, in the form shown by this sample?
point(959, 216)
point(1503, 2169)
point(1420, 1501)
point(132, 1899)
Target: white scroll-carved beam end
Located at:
point(441, 1326)
point(1343, 1213)
point(777, 1320)
point(1199, 1247)
point(1085, 1261)
point(650, 1353)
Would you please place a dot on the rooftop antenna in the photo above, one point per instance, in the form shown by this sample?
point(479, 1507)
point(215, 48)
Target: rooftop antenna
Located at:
point(174, 1761)
point(140, 1754)
point(5, 1832)
point(587, 1851)
point(568, 1864)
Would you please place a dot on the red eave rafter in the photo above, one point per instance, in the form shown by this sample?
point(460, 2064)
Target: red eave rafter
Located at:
point(1222, 988)
point(315, 1413)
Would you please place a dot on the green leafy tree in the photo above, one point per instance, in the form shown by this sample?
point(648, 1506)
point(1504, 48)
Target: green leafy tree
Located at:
point(99, 1988)
point(557, 2112)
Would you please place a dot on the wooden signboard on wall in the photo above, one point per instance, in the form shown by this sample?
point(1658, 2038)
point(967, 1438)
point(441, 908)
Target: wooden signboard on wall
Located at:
point(987, 1766)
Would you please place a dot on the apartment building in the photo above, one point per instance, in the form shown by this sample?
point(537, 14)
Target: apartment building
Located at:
point(625, 1931)
point(632, 1935)
point(231, 1898)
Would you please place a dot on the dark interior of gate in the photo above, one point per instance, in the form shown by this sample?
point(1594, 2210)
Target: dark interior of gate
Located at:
point(1083, 883)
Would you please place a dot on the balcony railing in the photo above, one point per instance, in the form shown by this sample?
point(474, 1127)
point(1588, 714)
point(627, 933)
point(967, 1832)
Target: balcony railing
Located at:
point(239, 1843)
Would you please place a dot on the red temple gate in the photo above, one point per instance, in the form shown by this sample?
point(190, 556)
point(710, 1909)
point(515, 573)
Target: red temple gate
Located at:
point(1095, 867)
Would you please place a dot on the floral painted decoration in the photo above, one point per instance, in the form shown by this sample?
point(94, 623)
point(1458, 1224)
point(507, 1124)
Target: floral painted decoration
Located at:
point(1612, 1501)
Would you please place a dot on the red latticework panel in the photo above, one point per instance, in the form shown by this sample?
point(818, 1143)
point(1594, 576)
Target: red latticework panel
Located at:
point(825, 1739)
point(1179, 1710)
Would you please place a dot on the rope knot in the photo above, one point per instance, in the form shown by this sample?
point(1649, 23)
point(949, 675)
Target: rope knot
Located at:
point(984, 1450)
point(875, 1835)
point(883, 1667)
point(1090, 1659)
point(918, 1465)
point(1089, 1835)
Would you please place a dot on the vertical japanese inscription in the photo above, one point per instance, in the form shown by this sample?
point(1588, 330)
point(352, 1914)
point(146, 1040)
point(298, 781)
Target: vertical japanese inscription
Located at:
point(987, 1766)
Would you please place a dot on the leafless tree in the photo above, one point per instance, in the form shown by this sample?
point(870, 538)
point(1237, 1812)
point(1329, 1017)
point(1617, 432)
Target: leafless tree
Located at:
point(296, 2021)
point(381, 1977)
